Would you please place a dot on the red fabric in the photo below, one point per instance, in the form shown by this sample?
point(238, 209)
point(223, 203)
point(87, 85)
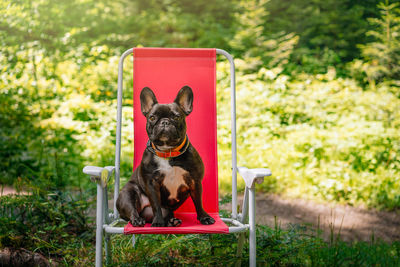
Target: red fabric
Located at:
point(166, 71)
point(190, 225)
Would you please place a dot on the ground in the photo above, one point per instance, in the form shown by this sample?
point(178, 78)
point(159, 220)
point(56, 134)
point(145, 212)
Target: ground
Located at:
point(353, 224)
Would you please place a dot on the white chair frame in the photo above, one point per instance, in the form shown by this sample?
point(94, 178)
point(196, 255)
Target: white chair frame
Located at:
point(106, 222)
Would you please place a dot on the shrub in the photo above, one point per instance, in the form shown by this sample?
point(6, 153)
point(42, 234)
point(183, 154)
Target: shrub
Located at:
point(55, 224)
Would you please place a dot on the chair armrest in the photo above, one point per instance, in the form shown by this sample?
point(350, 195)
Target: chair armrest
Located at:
point(252, 176)
point(99, 174)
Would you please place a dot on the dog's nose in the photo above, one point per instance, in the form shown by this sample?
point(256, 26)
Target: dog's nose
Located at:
point(165, 122)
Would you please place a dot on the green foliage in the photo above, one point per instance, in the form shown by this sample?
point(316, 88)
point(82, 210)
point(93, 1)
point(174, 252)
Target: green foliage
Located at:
point(297, 246)
point(300, 112)
point(181, 23)
point(58, 78)
point(54, 224)
point(324, 26)
point(323, 137)
point(382, 57)
point(56, 121)
point(15, 133)
point(64, 26)
point(251, 43)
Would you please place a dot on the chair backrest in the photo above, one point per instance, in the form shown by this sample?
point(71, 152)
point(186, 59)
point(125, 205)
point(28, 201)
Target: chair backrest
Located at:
point(166, 71)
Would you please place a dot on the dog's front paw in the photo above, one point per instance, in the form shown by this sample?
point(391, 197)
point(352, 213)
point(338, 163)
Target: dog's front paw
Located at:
point(174, 222)
point(138, 222)
point(158, 222)
point(207, 220)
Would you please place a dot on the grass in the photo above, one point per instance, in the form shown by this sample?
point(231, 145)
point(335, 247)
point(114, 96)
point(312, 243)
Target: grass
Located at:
point(57, 226)
point(275, 247)
point(54, 224)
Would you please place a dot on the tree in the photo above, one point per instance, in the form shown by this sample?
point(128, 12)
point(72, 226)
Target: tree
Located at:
point(329, 30)
point(252, 42)
point(382, 56)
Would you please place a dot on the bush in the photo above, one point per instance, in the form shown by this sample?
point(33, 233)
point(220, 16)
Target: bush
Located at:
point(55, 224)
point(323, 137)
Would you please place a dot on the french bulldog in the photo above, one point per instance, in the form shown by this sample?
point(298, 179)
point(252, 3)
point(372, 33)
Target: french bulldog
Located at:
point(171, 169)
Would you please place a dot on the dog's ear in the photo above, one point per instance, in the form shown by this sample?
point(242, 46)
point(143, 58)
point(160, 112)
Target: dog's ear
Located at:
point(185, 99)
point(147, 100)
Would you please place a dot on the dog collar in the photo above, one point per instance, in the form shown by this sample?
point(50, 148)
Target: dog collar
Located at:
point(170, 153)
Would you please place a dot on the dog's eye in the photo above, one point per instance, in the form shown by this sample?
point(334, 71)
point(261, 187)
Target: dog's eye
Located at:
point(152, 118)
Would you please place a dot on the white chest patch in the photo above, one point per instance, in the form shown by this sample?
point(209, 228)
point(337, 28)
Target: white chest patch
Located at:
point(173, 176)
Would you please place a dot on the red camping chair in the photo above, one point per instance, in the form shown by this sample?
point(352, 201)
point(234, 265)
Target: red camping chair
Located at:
point(165, 71)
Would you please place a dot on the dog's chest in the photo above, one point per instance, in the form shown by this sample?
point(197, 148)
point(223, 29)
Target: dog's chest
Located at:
point(174, 177)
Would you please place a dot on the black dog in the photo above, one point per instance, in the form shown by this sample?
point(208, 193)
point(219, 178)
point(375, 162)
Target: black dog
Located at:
point(171, 169)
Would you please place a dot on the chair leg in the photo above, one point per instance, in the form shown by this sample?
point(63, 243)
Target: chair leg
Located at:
point(106, 219)
point(239, 252)
point(133, 240)
point(245, 209)
point(107, 245)
point(99, 226)
point(252, 224)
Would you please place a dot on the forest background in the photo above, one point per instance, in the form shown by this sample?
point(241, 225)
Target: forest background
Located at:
point(325, 76)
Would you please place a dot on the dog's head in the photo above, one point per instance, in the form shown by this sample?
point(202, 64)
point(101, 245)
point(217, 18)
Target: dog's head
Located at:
point(166, 123)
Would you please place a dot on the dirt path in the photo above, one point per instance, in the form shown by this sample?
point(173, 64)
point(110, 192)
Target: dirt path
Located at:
point(8, 190)
point(352, 223)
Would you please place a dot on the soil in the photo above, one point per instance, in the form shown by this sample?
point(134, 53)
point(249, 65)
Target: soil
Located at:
point(352, 223)
point(8, 190)
point(23, 258)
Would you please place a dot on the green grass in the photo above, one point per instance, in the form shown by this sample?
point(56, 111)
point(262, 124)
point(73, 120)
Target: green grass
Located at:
point(275, 247)
point(57, 226)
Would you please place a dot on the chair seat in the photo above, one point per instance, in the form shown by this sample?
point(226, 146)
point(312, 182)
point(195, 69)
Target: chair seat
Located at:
point(190, 225)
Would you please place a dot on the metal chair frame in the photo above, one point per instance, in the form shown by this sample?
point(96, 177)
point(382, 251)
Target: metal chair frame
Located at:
point(106, 222)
